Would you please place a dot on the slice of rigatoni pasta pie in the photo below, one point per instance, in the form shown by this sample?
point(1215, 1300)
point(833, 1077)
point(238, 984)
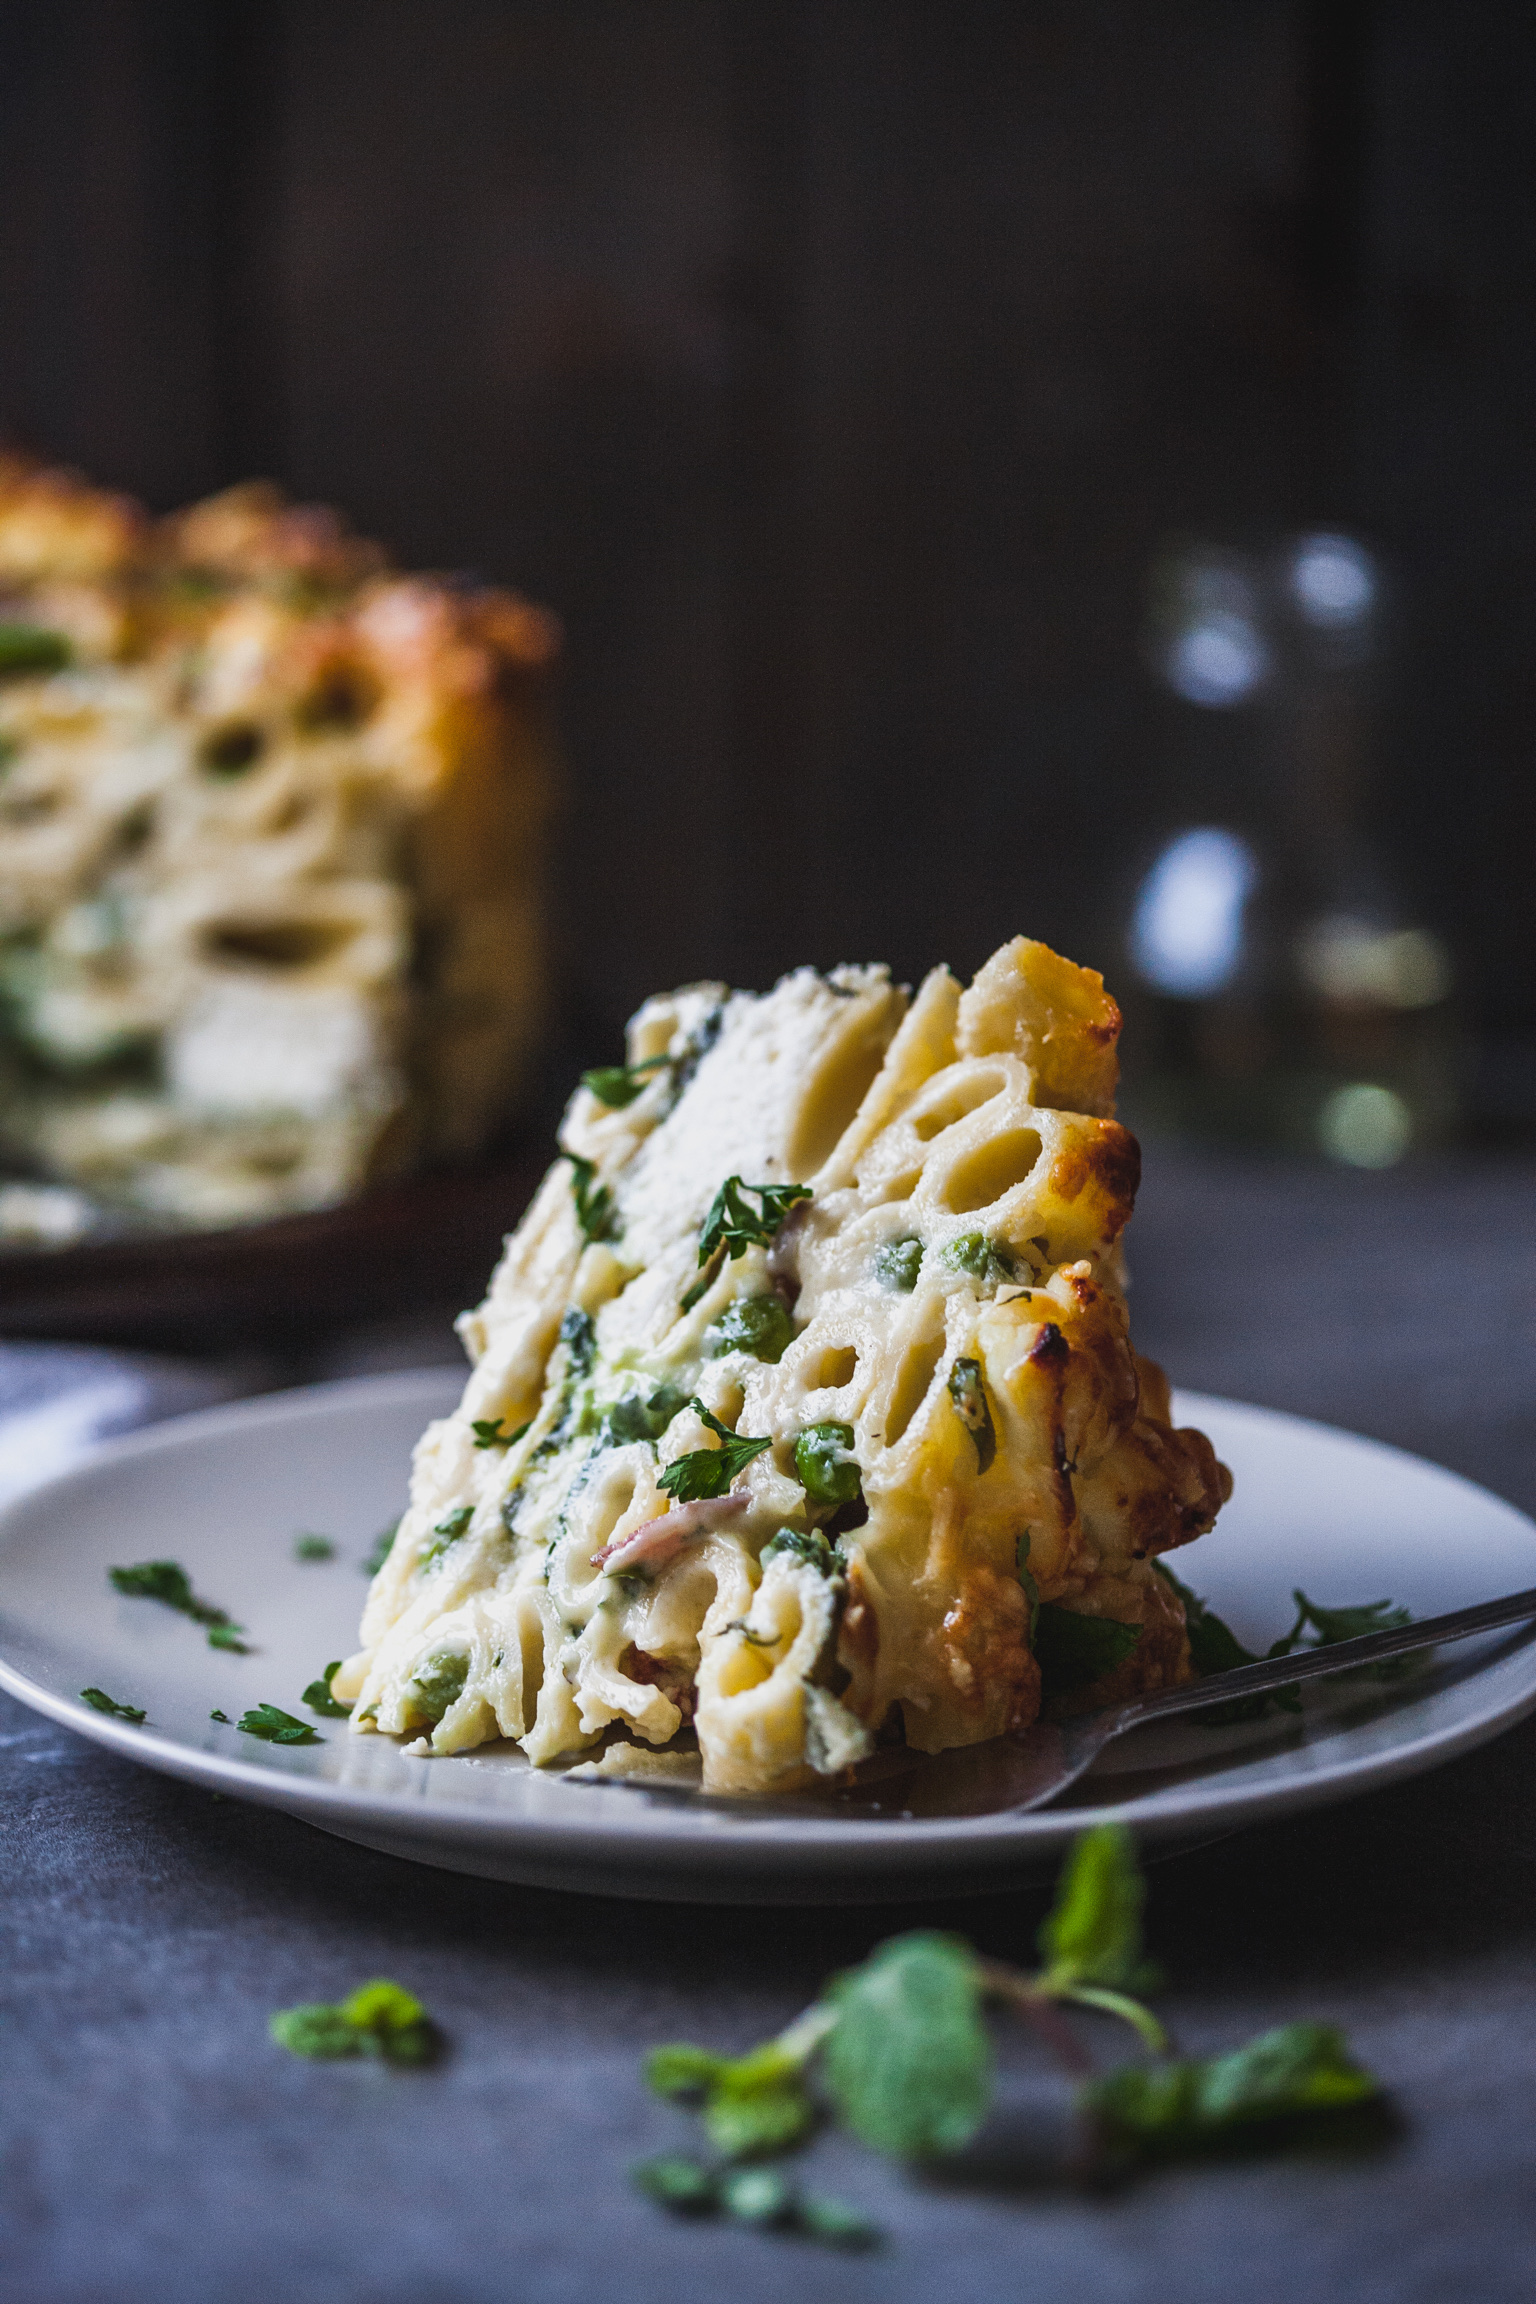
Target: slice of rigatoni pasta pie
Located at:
point(804, 1414)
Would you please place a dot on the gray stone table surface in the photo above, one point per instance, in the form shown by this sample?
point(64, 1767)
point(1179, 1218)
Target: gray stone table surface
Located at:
point(156, 2149)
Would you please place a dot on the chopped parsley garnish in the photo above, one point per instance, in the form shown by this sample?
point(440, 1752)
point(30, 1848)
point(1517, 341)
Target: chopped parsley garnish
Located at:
point(828, 1468)
point(969, 1395)
point(223, 1718)
point(383, 1544)
point(806, 1544)
point(617, 1085)
point(378, 2019)
point(439, 1682)
point(1214, 1648)
point(495, 1434)
point(733, 1225)
point(100, 1701)
point(898, 1263)
point(319, 1698)
point(982, 1258)
point(308, 1546)
point(637, 1417)
point(758, 1325)
point(898, 2049)
point(448, 1531)
point(596, 1214)
point(167, 1581)
point(1072, 1649)
point(709, 1471)
point(274, 1726)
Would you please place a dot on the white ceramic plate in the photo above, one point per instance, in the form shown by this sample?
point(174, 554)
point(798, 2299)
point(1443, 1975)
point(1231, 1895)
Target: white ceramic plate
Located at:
point(226, 1491)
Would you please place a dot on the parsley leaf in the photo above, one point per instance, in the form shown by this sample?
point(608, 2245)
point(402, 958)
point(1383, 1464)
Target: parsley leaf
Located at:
point(383, 1544)
point(307, 1546)
point(276, 1727)
point(223, 1718)
point(731, 1224)
point(494, 1434)
point(637, 1417)
point(448, 1531)
point(619, 1084)
point(378, 2019)
point(1184, 2107)
point(969, 1395)
point(1330, 1625)
point(824, 1459)
point(100, 1701)
point(909, 2064)
point(804, 1544)
point(168, 1582)
point(1072, 1650)
point(596, 1213)
point(439, 1682)
point(319, 1698)
point(709, 1471)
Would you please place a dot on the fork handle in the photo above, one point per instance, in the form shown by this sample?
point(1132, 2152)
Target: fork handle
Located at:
point(1342, 1656)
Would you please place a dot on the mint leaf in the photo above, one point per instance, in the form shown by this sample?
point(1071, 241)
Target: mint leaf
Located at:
point(756, 2196)
point(681, 2184)
point(619, 1084)
point(100, 1701)
point(908, 2064)
point(735, 1226)
point(275, 1726)
point(319, 1698)
point(596, 1214)
point(969, 1395)
point(1184, 2107)
point(709, 1471)
point(1073, 1650)
point(378, 2019)
point(828, 1468)
point(1092, 1934)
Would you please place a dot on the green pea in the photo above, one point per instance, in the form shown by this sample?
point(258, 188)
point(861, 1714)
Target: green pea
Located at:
point(828, 1470)
point(897, 1265)
point(756, 1324)
point(985, 1261)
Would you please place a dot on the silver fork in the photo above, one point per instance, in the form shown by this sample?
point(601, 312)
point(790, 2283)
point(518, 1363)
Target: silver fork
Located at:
point(1057, 1752)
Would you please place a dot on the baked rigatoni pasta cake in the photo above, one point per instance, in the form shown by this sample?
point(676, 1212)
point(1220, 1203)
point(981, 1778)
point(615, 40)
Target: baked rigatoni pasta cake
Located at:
point(804, 1413)
point(271, 852)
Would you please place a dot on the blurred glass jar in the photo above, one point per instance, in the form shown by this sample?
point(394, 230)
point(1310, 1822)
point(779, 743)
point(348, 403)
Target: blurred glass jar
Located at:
point(1279, 990)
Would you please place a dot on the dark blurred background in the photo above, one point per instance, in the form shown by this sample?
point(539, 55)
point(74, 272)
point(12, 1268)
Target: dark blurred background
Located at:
point(843, 371)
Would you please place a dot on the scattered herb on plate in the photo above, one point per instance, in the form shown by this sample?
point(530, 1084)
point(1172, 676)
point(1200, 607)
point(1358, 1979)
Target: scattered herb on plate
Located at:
point(100, 1701)
point(168, 1582)
point(319, 1698)
point(275, 1726)
point(308, 1546)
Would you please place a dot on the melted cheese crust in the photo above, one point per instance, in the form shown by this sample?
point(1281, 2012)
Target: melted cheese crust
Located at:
point(954, 1305)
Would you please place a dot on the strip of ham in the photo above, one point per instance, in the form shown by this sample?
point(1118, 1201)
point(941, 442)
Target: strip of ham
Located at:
point(656, 1543)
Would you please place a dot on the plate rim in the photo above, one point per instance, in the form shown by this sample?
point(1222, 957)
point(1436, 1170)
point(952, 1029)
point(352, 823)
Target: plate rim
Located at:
point(843, 1845)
